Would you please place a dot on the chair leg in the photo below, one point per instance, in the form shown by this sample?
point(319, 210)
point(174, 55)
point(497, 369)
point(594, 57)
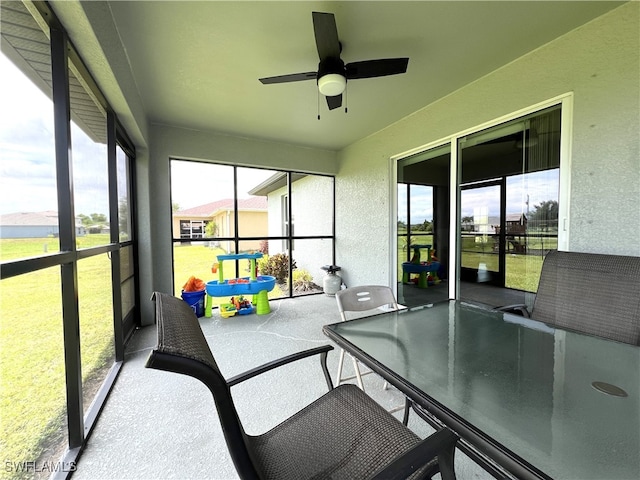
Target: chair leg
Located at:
point(340, 363)
point(358, 374)
point(407, 407)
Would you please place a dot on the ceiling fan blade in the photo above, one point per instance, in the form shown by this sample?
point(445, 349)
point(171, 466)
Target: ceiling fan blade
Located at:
point(293, 77)
point(334, 102)
point(376, 68)
point(324, 27)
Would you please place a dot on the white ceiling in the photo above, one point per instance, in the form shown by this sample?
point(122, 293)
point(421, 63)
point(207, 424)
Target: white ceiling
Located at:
point(197, 64)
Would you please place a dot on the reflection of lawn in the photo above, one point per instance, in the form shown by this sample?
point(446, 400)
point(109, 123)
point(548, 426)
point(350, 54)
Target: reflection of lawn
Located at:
point(32, 381)
point(522, 271)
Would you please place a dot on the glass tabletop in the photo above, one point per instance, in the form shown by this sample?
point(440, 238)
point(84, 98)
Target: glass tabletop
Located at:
point(565, 402)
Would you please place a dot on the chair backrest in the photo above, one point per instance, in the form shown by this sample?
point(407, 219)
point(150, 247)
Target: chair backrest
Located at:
point(363, 298)
point(182, 348)
point(591, 293)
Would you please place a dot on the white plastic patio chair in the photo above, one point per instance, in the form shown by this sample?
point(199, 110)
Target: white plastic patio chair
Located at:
point(361, 299)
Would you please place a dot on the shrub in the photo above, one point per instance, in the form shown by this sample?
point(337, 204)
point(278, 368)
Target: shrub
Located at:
point(264, 247)
point(303, 281)
point(276, 266)
point(261, 264)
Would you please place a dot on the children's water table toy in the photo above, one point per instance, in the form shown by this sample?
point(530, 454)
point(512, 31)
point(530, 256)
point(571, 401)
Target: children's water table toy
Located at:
point(256, 285)
point(238, 305)
point(424, 270)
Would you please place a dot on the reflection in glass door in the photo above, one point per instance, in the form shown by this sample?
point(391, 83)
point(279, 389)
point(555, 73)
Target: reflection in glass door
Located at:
point(423, 226)
point(509, 192)
point(480, 227)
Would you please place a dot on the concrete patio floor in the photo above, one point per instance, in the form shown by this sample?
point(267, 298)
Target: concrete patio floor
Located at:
point(158, 425)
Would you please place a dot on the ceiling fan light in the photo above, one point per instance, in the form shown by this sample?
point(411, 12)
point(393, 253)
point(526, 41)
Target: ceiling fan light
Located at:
point(332, 84)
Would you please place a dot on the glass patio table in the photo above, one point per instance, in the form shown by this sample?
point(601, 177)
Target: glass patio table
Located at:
point(540, 402)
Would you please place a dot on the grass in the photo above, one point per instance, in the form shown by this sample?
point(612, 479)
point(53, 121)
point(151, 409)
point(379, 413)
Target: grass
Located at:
point(32, 376)
point(522, 271)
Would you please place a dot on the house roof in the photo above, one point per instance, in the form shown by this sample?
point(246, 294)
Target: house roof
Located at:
point(46, 218)
point(210, 209)
point(275, 182)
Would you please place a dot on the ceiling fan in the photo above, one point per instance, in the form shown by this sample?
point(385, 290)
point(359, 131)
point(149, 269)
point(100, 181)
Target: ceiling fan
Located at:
point(332, 74)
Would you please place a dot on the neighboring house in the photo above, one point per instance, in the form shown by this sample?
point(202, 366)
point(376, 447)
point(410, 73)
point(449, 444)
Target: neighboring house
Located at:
point(33, 225)
point(311, 215)
point(191, 223)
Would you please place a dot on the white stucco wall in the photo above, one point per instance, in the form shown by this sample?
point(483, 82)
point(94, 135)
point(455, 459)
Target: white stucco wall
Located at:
point(312, 210)
point(599, 62)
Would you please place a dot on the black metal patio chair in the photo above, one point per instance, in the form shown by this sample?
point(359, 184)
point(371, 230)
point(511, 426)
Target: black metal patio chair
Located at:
point(343, 434)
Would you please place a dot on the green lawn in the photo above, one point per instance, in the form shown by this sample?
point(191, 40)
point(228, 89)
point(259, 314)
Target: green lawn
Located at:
point(32, 383)
point(522, 271)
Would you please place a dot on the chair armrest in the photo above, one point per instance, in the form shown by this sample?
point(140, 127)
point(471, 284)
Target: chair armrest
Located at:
point(322, 351)
point(441, 444)
point(518, 309)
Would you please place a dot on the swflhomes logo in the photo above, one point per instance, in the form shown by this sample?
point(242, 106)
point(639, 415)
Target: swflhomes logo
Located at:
point(39, 467)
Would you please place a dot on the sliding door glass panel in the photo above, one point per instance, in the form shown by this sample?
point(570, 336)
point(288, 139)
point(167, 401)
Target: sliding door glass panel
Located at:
point(28, 195)
point(534, 232)
point(423, 226)
point(421, 214)
point(95, 301)
point(479, 233)
point(519, 213)
point(402, 228)
point(32, 370)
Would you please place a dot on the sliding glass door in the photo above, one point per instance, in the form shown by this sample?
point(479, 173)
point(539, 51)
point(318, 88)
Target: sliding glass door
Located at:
point(509, 192)
point(423, 226)
point(506, 206)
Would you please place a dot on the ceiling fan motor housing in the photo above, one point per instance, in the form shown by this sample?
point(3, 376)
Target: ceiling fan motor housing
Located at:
point(332, 77)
